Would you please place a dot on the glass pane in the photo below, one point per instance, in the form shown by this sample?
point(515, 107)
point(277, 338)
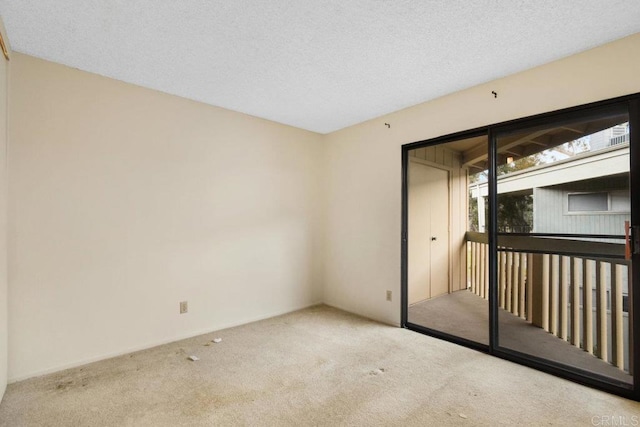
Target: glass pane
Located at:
point(447, 250)
point(588, 202)
point(563, 198)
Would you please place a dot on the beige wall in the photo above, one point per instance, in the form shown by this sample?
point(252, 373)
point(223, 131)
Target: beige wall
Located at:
point(4, 74)
point(124, 201)
point(363, 184)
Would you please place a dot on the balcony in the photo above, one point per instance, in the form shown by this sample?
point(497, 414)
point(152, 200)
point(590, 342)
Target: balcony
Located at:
point(560, 299)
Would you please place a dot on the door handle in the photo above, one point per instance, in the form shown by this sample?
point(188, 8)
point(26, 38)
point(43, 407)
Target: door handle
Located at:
point(627, 241)
point(631, 240)
point(433, 238)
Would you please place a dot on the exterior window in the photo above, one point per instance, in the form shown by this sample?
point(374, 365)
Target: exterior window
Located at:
point(588, 202)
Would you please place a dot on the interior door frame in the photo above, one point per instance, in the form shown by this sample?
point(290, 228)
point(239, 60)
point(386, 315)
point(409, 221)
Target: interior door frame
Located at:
point(632, 103)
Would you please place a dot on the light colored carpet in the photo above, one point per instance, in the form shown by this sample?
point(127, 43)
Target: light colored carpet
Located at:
point(318, 366)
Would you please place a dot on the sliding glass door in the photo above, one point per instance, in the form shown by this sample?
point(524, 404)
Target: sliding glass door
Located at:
point(519, 239)
point(442, 211)
point(563, 204)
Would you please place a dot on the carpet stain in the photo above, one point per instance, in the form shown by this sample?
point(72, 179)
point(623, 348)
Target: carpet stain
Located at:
point(203, 403)
point(64, 385)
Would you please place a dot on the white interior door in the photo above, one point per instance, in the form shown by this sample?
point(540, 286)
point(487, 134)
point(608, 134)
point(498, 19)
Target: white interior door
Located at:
point(428, 232)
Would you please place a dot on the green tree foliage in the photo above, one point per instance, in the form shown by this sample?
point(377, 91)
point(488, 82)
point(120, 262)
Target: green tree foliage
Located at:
point(515, 211)
point(520, 164)
point(473, 214)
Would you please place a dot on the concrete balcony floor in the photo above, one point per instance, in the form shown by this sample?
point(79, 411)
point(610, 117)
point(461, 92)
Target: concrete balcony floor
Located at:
point(466, 315)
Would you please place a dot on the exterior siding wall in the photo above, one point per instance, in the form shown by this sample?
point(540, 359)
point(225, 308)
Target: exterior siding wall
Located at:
point(550, 215)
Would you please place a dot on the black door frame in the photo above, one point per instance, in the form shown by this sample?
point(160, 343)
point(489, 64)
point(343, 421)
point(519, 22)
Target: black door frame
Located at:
point(632, 103)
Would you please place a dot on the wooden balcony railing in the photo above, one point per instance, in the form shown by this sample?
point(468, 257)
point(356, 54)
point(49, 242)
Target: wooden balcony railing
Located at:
point(573, 289)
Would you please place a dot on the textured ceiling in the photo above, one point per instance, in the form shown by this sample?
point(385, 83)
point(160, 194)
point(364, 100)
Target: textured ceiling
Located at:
point(317, 65)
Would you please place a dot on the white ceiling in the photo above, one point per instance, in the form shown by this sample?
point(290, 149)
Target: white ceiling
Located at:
point(317, 65)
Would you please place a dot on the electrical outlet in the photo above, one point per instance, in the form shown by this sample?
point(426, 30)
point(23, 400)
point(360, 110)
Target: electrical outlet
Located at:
point(389, 295)
point(184, 307)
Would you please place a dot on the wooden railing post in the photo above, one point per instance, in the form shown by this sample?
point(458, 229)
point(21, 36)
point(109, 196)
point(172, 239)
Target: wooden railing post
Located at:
point(617, 336)
point(530, 287)
point(554, 305)
point(478, 269)
point(631, 315)
point(502, 278)
point(485, 271)
point(538, 307)
point(587, 305)
point(564, 297)
point(601, 310)
point(546, 286)
point(507, 272)
point(515, 305)
point(476, 266)
point(575, 302)
point(523, 280)
point(479, 257)
point(472, 264)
